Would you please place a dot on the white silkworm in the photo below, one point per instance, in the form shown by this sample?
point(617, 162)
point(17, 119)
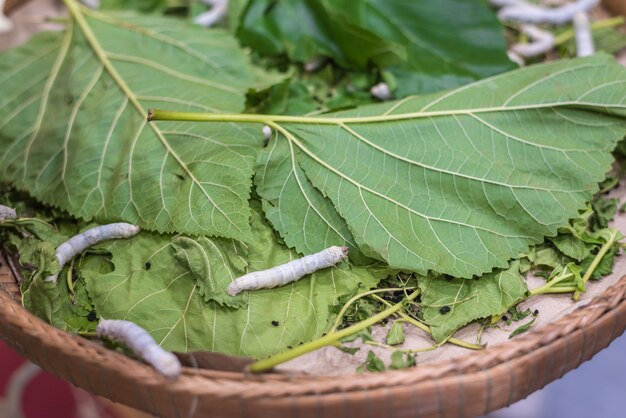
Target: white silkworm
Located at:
point(141, 343)
point(584, 40)
point(267, 132)
point(288, 272)
point(5, 23)
point(502, 3)
point(315, 64)
point(381, 91)
point(7, 213)
point(215, 14)
point(543, 41)
point(522, 11)
point(79, 243)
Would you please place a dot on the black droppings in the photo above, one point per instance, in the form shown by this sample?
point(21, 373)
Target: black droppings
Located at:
point(594, 250)
point(148, 265)
point(92, 316)
point(275, 323)
point(444, 310)
point(505, 318)
point(536, 312)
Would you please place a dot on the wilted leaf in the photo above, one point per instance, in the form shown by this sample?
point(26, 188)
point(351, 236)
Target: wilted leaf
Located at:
point(166, 301)
point(450, 304)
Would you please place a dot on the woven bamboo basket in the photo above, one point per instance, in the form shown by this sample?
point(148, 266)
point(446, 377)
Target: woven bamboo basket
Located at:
point(472, 385)
point(468, 386)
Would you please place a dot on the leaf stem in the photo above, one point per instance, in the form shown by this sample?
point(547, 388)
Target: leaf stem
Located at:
point(346, 306)
point(595, 26)
point(328, 339)
point(426, 328)
point(596, 260)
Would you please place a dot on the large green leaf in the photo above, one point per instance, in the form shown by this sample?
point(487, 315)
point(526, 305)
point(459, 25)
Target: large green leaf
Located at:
point(165, 298)
point(456, 182)
point(450, 303)
point(411, 39)
point(74, 131)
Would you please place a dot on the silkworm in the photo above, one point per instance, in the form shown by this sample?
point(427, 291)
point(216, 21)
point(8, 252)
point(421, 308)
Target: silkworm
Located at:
point(522, 11)
point(288, 272)
point(7, 213)
point(5, 23)
point(543, 41)
point(267, 132)
point(381, 91)
point(584, 40)
point(141, 343)
point(79, 243)
point(215, 14)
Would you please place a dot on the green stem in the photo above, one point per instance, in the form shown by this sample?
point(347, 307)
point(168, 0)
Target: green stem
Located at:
point(345, 307)
point(595, 26)
point(70, 281)
point(543, 290)
point(596, 260)
point(328, 339)
point(426, 328)
point(547, 288)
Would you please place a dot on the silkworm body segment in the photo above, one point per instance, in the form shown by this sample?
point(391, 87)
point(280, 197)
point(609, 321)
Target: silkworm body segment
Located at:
point(142, 344)
point(7, 213)
point(288, 272)
point(79, 243)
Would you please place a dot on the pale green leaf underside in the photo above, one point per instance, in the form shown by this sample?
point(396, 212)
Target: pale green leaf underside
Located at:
point(165, 299)
point(468, 300)
point(214, 263)
point(460, 182)
point(306, 219)
point(74, 131)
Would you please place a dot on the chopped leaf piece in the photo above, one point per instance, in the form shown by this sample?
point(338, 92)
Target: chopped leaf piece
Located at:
point(523, 328)
point(491, 294)
point(402, 360)
point(372, 364)
point(395, 335)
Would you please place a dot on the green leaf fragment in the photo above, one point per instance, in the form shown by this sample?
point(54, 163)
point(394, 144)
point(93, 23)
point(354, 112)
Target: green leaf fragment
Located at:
point(468, 300)
point(523, 328)
point(402, 360)
point(373, 363)
point(395, 336)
